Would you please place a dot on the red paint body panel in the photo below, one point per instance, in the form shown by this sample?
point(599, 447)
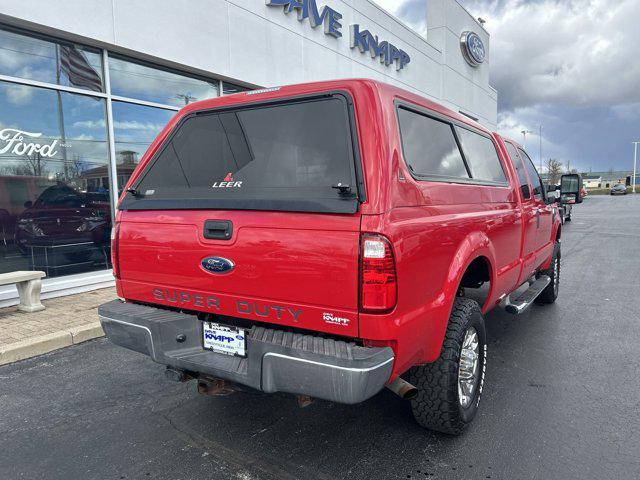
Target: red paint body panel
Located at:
point(308, 262)
point(278, 256)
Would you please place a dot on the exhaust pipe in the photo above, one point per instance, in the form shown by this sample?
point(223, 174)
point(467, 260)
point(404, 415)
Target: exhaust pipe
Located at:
point(215, 387)
point(402, 388)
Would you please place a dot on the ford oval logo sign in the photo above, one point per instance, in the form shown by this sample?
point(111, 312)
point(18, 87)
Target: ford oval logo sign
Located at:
point(217, 264)
point(472, 48)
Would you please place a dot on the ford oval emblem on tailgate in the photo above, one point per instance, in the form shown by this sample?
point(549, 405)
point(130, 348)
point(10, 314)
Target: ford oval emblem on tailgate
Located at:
point(217, 264)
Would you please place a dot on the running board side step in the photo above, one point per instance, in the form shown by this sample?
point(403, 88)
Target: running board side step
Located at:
point(527, 298)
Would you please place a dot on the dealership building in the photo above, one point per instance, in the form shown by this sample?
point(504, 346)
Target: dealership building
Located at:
point(86, 85)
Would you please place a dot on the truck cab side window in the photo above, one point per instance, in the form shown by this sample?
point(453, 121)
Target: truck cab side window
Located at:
point(522, 177)
point(533, 175)
point(481, 156)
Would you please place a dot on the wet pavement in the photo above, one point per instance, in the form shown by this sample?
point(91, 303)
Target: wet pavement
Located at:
point(561, 399)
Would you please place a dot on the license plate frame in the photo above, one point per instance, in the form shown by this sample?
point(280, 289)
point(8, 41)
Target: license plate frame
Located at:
point(224, 339)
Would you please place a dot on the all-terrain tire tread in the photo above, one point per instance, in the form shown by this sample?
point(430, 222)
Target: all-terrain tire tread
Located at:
point(436, 405)
point(548, 295)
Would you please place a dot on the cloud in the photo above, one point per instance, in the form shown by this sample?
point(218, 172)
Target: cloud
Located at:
point(135, 125)
point(19, 94)
point(132, 80)
point(90, 124)
point(411, 12)
point(511, 124)
point(120, 125)
point(629, 111)
point(574, 52)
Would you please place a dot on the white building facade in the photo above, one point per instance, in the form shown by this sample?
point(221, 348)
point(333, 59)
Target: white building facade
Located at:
point(85, 85)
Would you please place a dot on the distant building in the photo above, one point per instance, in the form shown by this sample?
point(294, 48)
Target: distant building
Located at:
point(591, 181)
point(605, 179)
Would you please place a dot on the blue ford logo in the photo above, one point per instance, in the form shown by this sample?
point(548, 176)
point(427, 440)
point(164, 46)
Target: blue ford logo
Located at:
point(472, 48)
point(217, 264)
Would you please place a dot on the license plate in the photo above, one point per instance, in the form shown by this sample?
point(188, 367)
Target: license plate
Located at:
point(224, 339)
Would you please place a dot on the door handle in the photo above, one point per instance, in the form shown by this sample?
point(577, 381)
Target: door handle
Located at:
point(538, 217)
point(218, 229)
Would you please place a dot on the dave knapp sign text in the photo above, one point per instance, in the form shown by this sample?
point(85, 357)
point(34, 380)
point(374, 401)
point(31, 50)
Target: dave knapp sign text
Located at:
point(364, 40)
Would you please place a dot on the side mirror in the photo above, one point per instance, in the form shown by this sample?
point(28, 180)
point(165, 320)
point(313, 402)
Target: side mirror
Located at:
point(28, 204)
point(570, 186)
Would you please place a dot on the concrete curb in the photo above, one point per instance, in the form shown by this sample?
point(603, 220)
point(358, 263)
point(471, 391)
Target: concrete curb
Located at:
point(35, 346)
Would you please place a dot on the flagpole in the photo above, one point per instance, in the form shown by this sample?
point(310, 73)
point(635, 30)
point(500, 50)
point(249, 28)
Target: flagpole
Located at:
point(61, 114)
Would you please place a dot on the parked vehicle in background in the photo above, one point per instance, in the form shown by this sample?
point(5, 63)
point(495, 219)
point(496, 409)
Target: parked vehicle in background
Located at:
point(319, 239)
point(65, 219)
point(583, 192)
point(619, 189)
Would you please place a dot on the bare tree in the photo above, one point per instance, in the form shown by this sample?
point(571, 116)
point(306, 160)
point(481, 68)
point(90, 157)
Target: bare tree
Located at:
point(32, 165)
point(74, 168)
point(35, 164)
point(554, 169)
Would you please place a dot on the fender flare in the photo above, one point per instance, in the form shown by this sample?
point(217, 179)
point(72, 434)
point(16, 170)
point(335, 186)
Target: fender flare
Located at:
point(556, 233)
point(475, 245)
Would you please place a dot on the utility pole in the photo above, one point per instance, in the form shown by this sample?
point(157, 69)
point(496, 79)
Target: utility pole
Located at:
point(635, 158)
point(540, 151)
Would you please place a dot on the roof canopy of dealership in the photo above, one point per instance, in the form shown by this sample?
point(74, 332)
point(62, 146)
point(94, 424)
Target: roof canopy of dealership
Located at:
point(85, 89)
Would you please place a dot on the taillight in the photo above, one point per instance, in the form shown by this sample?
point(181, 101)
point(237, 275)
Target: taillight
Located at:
point(378, 281)
point(115, 258)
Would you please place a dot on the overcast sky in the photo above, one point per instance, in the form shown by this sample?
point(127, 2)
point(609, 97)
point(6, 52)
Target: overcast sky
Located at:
point(571, 65)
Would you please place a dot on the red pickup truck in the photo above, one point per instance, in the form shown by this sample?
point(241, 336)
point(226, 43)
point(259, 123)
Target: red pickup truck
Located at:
point(321, 239)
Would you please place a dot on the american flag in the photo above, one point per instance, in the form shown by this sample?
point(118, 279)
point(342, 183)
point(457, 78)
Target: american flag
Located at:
point(75, 65)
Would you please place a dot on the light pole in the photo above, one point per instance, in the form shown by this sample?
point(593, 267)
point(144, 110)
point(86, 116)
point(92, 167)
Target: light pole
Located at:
point(635, 158)
point(524, 138)
point(540, 150)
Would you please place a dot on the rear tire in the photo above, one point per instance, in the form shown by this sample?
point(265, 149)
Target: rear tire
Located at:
point(445, 402)
point(550, 294)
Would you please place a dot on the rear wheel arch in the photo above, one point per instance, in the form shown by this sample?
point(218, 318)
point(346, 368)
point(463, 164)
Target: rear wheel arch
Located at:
point(463, 261)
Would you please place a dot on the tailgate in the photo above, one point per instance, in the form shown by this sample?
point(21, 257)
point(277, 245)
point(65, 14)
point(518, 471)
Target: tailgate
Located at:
point(282, 179)
point(294, 269)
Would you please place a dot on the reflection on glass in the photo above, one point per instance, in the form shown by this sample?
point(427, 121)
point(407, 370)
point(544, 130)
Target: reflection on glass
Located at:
point(229, 88)
point(53, 216)
point(52, 62)
point(135, 127)
point(133, 80)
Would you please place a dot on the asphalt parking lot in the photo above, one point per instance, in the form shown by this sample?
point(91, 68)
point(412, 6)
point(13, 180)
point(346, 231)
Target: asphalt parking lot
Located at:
point(561, 399)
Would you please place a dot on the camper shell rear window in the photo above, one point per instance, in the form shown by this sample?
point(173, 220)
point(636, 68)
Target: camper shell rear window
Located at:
point(292, 155)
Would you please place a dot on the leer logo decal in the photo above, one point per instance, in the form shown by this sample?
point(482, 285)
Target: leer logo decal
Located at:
point(228, 182)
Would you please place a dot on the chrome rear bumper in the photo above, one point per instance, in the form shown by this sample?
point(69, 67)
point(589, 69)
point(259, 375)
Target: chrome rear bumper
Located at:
point(276, 361)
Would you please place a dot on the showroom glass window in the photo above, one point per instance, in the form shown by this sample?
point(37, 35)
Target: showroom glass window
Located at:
point(59, 63)
point(135, 127)
point(56, 173)
point(135, 80)
point(55, 211)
